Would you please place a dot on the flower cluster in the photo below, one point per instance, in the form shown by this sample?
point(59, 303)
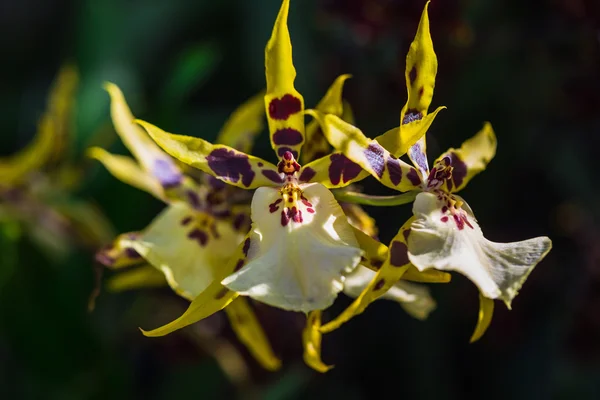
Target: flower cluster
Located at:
point(295, 244)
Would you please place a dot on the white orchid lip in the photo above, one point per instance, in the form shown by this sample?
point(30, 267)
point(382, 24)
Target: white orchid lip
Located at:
point(301, 247)
point(498, 269)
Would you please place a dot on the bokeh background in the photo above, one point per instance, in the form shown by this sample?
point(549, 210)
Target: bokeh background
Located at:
point(532, 68)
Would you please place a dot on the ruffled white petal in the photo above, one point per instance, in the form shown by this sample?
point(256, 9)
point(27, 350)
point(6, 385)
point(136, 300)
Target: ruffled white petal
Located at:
point(175, 244)
point(498, 269)
point(298, 266)
point(415, 299)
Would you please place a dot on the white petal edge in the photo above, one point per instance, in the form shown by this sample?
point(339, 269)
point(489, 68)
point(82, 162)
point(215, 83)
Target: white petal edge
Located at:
point(497, 269)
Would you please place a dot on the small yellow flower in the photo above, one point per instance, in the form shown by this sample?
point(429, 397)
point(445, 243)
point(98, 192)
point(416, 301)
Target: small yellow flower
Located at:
point(443, 234)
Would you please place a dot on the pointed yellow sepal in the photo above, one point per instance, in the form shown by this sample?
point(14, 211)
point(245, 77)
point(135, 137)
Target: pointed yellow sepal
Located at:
point(247, 328)
point(484, 318)
point(311, 339)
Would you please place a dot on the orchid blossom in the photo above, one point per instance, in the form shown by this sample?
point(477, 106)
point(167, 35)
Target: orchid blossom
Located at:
point(443, 234)
point(187, 243)
point(301, 245)
point(37, 183)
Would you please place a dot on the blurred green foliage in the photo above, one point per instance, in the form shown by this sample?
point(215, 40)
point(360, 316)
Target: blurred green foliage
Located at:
point(531, 68)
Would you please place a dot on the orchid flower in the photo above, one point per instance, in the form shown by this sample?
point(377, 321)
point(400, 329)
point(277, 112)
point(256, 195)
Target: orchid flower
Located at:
point(301, 245)
point(188, 242)
point(36, 183)
point(443, 234)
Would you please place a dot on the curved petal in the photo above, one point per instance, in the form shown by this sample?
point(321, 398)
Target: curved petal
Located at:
point(222, 162)
point(126, 170)
point(297, 260)
point(214, 298)
point(248, 330)
point(283, 103)
point(188, 247)
point(142, 277)
point(244, 124)
point(332, 171)
point(150, 156)
point(360, 219)
point(368, 153)
point(454, 242)
point(396, 263)
point(415, 299)
point(316, 145)
point(484, 318)
point(61, 102)
point(311, 339)
point(473, 157)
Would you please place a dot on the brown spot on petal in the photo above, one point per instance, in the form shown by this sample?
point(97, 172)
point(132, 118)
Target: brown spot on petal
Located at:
point(231, 165)
point(287, 136)
point(406, 234)
point(413, 177)
point(221, 294)
point(459, 169)
point(394, 169)
point(341, 168)
point(282, 108)
point(239, 265)
point(186, 221)
point(411, 116)
point(198, 235)
point(398, 254)
point(272, 175)
point(246, 246)
point(307, 174)
point(379, 285)
point(412, 75)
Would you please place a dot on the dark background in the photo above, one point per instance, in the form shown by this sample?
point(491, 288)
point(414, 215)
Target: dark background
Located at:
point(532, 68)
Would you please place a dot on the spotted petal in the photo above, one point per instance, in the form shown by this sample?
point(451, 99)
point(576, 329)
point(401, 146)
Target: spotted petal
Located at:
point(188, 247)
point(455, 243)
point(472, 157)
point(244, 124)
point(297, 259)
point(395, 265)
point(248, 330)
point(154, 161)
point(316, 145)
point(415, 299)
point(284, 105)
point(368, 153)
point(223, 162)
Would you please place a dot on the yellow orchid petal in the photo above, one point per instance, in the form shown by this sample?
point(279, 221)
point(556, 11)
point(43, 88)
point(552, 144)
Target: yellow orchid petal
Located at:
point(400, 143)
point(484, 318)
point(428, 276)
point(367, 153)
point(214, 298)
point(142, 277)
point(396, 263)
point(311, 339)
point(125, 169)
point(283, 103)
point(188, 246)
point(360, 219)
point(301, 247)
point(152, 158)
point(333, 171)
point(244, 124)
point(415, 299)
point(448, 238)
point(61, 103)
point(31, 158)
point(472, 157)
point(246, 326)
point(316, 145)
point(223, 162)
point(119, 254)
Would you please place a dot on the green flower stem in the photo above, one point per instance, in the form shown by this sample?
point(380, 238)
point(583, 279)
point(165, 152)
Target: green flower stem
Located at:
point(378, 201)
